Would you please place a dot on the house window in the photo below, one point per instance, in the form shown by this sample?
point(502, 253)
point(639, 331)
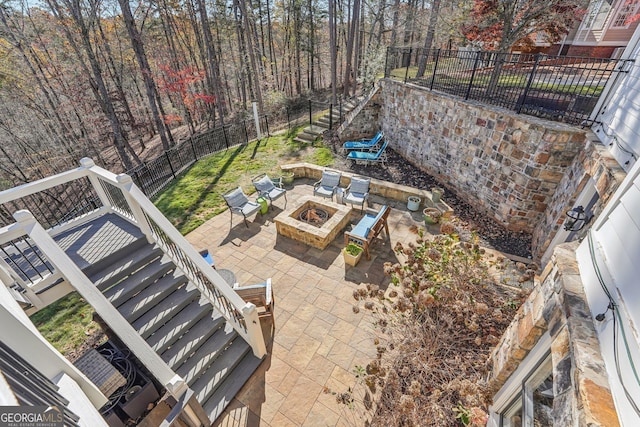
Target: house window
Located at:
point(533, 403)
point(628, 9)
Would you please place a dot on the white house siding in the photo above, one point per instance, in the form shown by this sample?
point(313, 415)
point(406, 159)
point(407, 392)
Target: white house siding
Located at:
point(618, 121)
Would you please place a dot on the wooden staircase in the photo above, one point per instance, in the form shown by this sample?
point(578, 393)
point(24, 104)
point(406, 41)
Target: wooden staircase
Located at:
point(315, 130)
point(185, 331)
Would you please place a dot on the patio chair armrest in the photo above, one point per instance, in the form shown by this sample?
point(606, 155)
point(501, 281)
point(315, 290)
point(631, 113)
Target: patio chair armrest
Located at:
point(371, 211)
point(317, 184)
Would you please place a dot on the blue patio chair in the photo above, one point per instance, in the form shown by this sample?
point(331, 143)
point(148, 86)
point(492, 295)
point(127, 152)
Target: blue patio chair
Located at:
point(370, 157)
point(266, 188)
point(365, 144)
point(238, 202)
point(357, 192)
point(328, 185)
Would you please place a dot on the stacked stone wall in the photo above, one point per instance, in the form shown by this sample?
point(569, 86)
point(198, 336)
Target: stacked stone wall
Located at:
point(558, 306)
point(505, 164)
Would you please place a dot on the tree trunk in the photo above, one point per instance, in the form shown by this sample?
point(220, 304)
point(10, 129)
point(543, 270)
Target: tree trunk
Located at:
point(428, 41)
point(333, 51)
point(353, 28)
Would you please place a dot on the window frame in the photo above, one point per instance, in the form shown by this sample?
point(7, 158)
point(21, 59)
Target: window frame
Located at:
point(622, 9)
point(512, 389)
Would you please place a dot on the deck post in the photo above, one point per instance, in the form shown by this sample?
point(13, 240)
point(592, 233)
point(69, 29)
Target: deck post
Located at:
point(125, 183)
point(254, 330)
point(88, 163)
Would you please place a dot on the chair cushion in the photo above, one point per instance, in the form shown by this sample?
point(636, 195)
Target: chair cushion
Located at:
point(355, 198)
point(236, 198)
point(264, 184)
point(330, 179)
point(324, 191)
point(249, 208)
point(359, 185)
point(276, 192)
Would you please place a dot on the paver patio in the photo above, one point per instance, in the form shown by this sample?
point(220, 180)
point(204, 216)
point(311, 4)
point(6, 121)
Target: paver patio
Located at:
point(318, 339)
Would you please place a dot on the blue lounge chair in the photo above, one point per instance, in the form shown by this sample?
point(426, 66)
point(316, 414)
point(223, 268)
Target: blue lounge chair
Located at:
point(370, 157)
point(365, 144)
point(368, 229)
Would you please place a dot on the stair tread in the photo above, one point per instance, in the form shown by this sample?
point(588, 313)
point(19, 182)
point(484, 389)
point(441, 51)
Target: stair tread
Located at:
point(206, 354)
point(226, 391)
point(168, 333)
point(224, 365)
point(121, 292)
point(192, 340)
point(117, 270)
point(146, 299)
point(164, 311)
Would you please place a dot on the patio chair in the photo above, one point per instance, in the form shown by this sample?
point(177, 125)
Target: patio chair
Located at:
point(261, 295)
point(238, 202)
point(328, 185)
point(370, 157)
point(368, 229)
point(267, 189)
point(365, 144)
point(357, 192)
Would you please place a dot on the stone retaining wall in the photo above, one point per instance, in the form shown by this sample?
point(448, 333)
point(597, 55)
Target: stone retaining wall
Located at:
point(505, 164)
point(558, 305)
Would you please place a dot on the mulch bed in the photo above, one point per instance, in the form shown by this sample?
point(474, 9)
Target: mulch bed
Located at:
point(398, 170)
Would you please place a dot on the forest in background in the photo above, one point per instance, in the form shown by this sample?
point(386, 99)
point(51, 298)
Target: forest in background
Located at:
point(101, 78)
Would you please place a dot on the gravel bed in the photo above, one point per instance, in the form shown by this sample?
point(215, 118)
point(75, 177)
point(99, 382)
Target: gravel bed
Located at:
point(491, 233)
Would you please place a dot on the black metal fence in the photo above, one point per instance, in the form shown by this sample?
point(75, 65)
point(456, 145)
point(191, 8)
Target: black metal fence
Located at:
point(155, 175)
point(560, 88)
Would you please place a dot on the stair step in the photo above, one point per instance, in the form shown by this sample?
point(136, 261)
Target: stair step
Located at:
point(146, 299)
point(119, 293)
point(176, 327)
point(206, 354)
point(188, 343)
point(118, 270)
point(224, 365)
point(227, 390)
point(152, 320)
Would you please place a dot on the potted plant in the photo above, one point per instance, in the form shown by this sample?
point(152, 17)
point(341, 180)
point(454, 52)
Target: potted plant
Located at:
point(413, 203)
point(431, 216)
point(287, 177)
point(352, 254)
point(436, 194)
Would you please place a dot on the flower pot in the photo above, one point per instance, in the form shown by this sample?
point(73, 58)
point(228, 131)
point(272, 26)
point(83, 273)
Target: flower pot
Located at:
point(351, 259)
point(431, 216)
point(436, 194)
point(287, 178)
point(413, 203)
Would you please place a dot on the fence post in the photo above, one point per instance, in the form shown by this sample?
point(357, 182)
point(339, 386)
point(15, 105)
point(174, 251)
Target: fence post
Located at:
point(331, 116)
point(226, 140)
point(473, 74)
point(266, 124)
point(193, 147)
point(435, 67)
point(406, 72)
point(166, 154)
point(528, 86)
point(386, 63)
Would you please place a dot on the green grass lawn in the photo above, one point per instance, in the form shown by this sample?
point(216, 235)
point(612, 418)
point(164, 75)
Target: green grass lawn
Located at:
point(196, 195)
point(66, 323)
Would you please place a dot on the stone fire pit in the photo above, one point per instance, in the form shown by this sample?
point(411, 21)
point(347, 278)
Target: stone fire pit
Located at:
point(288, 224)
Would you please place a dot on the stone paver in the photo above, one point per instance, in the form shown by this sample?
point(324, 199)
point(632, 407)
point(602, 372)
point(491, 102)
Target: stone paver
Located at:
point(318, 339)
